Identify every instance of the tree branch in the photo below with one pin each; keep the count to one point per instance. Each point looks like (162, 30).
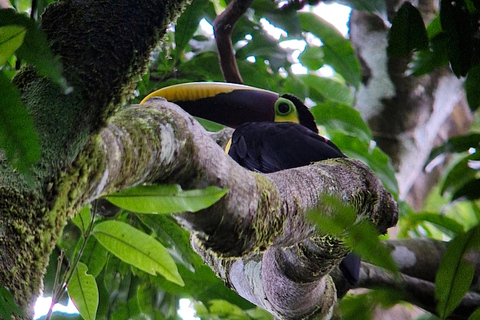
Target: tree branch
(223, 27)
(416, 291)
(256, 237)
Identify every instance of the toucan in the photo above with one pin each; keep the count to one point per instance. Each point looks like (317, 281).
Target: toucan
(272, 132)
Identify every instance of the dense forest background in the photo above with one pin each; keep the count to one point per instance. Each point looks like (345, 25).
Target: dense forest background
(402, 97)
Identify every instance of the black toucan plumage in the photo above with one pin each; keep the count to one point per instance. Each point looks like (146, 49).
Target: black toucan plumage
(272, 133)
(270, 146)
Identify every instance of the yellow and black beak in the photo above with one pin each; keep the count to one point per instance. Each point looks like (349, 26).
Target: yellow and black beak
(233, 104)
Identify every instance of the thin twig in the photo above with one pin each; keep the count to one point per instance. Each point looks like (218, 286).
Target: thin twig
(223, 27)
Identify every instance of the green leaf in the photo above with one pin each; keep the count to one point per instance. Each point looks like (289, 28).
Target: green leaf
(11, 38)
(408, 32)
(137, 248)
(472, 83)
(94, 256)
(17, 133)
(339, 53)
(35, 48)
(329, 88)
(361, 236)
(469, 191)
(165, 199)
(425, 61)
(444, 223)
(82, 218)
(187, 24)
(456, 22)
(83, 291)
(312, 57)
(456, 144)
(475, 315)
(176, 238)
(342, 118)
(459, 174)
(370, 154)
(455, 275)
(8, 305)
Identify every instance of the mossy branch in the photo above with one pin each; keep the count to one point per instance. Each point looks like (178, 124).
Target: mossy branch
(247, 234)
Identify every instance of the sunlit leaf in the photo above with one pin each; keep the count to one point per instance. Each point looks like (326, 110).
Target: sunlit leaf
(11, 38)
(339, 53)
(83, 291)
(455, 275)
(407, 33)
(18, 137)
(165, 199)
(187, 24)
(137, 248)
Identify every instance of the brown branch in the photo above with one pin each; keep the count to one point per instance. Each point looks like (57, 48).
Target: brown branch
(223, 27)
(256, 235)
(416, 291)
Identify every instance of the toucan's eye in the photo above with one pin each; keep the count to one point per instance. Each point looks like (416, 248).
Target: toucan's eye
(284, 107)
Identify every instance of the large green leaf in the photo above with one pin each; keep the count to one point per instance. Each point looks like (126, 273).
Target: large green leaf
(83, 291)
(370, 154)
(174, 237)
(187, 24)
(35, 48)
(18, 137)
(342, 118)
(455, 274)
(312, 57)
(329, 88)
(338, 51)
(165, 199)
(137, 248)
(94, 256)
(407, 33)
(11, 38)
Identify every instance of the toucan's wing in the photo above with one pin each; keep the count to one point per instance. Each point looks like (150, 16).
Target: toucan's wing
(269, 147)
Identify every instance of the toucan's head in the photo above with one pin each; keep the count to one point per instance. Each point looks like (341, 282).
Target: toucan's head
(234, 104)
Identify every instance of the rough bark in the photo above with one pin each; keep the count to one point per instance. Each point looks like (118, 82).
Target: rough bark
(257, 235)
